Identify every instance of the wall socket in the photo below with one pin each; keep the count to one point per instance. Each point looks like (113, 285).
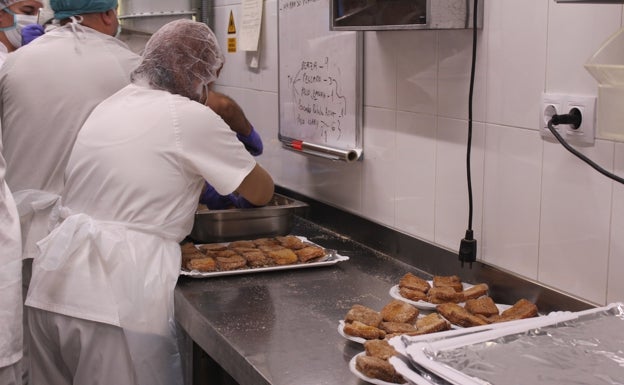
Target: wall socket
(562, 104)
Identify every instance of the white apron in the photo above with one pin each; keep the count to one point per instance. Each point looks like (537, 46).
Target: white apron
(118, 274)
(37, 215)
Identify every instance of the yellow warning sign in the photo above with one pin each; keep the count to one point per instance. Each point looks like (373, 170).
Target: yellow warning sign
(231, 44)
(231, 26)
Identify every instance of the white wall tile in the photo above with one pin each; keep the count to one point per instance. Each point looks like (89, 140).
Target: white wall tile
(454, 68)
(511, 196)
(237, 70)
(574, 228)
(415, 171)
(575, 32)
(516, 61)
(615, 287)
(416, 71)
(380, 71)
(451, 203)
(379, 171)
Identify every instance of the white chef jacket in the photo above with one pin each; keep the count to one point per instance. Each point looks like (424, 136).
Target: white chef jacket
(47, 90)
(10, 268)
(132, 184)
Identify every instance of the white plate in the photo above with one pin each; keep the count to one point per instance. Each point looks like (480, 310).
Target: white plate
(404, 370)
(359, 340)
(331, 258)
(362, 377)
(424, 305)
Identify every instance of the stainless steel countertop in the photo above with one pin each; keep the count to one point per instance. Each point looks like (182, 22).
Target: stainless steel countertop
(280, 328)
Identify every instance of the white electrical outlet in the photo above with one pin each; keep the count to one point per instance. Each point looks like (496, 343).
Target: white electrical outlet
(585, 133)
(562, 104)
(551, 105)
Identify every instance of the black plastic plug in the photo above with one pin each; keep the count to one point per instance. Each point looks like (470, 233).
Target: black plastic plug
(574, 118)
(468, 249)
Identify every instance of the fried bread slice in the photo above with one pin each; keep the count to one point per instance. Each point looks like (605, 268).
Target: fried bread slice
(397, 327)
(399, 311)
(283, 256)
(242, 243)
(309, 253)
(444, 294)
(448, 281)
(523, 308)
(413, 282)
(457, 315)
(363, 314)
(412, 294)
(205, 264)
(257, 258)
(189, 252)
(231, 262)
(359, 329)
(483, 305)
(379, 348)
(291, 242)
(431, 323)
(476, 291)
(375, 367)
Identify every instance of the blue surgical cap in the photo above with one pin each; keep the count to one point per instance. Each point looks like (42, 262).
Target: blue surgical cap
(66, 8)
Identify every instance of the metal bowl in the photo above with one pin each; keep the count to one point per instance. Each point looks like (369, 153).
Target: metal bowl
(274, 219)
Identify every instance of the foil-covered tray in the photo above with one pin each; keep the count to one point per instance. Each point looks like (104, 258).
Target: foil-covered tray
(582, 348)
(276, 218)
(331, 258)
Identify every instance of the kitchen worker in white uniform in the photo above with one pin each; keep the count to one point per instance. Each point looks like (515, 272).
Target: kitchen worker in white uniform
(101, 295)
(11, 284)
(67, 71)
(14, 15)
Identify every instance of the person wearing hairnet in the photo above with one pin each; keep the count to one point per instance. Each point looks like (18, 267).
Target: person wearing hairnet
(69, 70)
(15, 15)
(101, 296)
(47, 90)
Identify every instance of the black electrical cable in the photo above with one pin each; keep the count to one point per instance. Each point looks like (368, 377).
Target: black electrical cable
(468, 245)
(470, 97)
(577, 153)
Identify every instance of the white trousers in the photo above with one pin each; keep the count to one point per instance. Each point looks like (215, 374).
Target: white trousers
(11, 375)
(66, 351)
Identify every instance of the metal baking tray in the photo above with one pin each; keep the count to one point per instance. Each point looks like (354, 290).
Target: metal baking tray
(274, 219)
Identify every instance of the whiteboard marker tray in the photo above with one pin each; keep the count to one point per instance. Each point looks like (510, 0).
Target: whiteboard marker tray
(582, 347)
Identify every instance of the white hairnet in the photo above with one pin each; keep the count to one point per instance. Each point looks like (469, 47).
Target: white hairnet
(7, 3)
(181, 57)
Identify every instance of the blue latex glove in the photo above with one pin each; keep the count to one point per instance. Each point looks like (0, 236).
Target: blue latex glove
(214, 200)
(252, 142)
(240, 202)
(30, 32)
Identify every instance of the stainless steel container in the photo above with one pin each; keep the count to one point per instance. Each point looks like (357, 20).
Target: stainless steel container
(276, 218)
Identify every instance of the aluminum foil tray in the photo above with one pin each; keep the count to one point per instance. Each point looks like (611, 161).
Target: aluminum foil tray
(567, 348)
(276, 218)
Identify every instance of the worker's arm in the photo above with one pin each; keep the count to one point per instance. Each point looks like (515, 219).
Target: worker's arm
(257, 187)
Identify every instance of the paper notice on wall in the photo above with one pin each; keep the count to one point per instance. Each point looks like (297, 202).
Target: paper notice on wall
(249, 33)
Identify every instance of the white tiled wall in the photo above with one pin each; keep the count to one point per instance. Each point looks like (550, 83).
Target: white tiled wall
(538, 211)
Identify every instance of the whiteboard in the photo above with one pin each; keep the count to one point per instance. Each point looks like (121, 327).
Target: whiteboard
(320, 81)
